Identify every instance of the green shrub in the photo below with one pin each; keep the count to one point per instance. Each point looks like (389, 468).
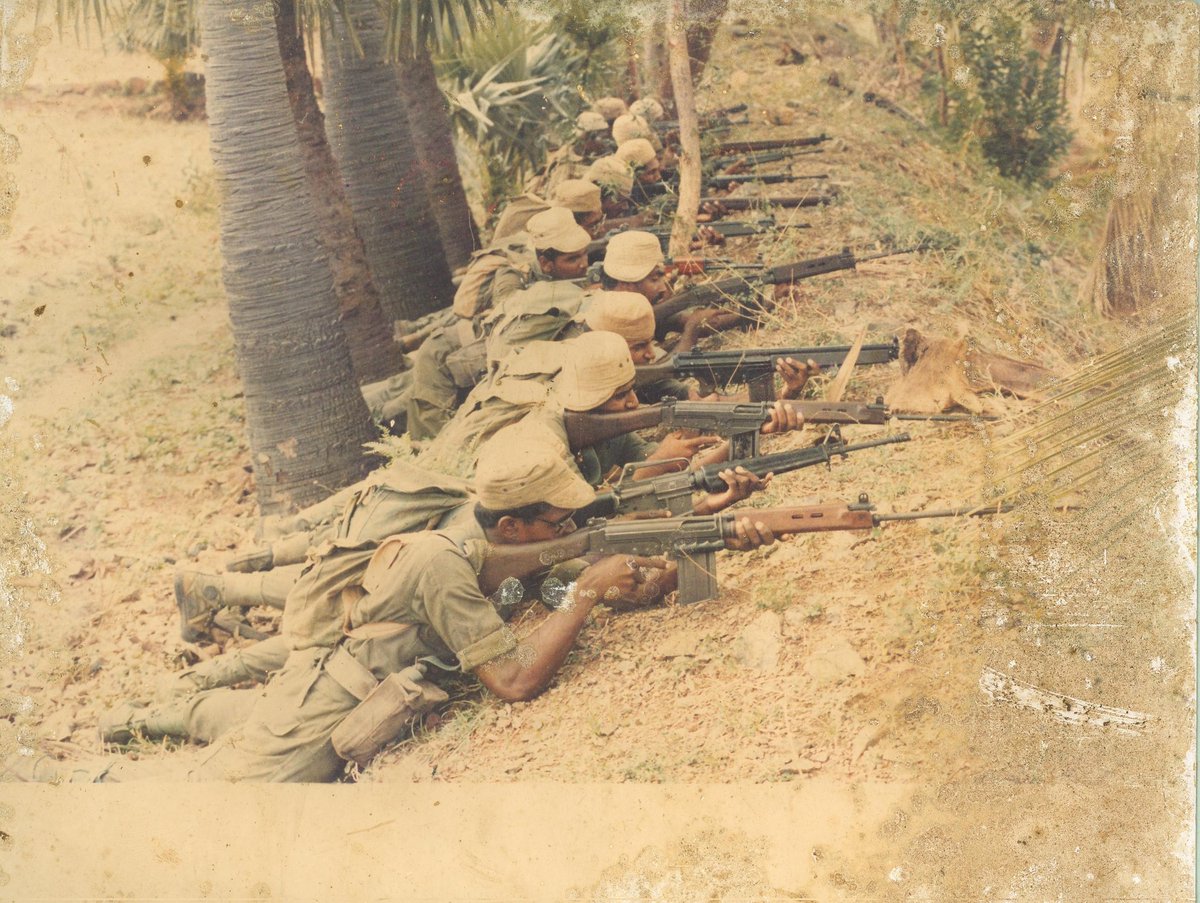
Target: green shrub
(1009, 100)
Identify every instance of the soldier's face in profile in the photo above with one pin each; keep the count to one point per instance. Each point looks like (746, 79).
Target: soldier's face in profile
(624, 399)
(654, 287)
(642, 352)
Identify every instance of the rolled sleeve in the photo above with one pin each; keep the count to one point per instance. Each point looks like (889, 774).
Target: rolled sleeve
(460, 614)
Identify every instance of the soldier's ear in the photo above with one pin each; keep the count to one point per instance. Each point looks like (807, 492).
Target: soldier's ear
(509, 528)
(545, 263)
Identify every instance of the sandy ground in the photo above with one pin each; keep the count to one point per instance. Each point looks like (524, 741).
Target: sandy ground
(836, 685)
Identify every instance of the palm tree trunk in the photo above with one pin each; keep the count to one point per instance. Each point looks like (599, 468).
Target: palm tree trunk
(384, 182)
(433, 136)
(305, 417)
(689, 129)
(373, 351)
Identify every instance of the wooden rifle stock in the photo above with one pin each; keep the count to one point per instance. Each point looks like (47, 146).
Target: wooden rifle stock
(585, 429)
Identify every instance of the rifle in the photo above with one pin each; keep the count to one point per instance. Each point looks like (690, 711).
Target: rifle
(765, 178)
(877, 414)
(739, 422)
(714, 293)
(708, 120)
(756, 366)
(692, 540)
(694, 266)
(673, 491)
(724, 228)
(768, 144)
(730, 160)
(812, 200)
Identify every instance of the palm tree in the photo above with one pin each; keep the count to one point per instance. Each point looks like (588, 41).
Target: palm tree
(372, 350)
(384, 183)
(306, 419)
(433, 136)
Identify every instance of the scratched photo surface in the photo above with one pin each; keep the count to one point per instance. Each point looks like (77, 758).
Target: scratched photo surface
(993, 700)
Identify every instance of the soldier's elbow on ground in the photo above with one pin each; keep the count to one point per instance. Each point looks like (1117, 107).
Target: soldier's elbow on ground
(508, 681)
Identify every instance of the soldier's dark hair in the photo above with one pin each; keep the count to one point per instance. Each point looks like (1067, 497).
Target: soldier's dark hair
(607, 282)
(550, 254)
(488, 518)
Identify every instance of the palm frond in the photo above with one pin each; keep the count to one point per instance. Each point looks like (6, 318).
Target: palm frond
(509, 87)
(437, 24)
(1107, 420)
(166, 29)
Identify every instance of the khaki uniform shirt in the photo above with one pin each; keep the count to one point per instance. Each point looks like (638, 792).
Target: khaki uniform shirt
(427, 582)
(539, 313)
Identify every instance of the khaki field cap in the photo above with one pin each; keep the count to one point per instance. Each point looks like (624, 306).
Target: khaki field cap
(591, 121)
(611, 107)
(556, 228)
(595, 365)
(523, 465)
(630, 256)
(628, 314)
(636, 152)
(628, 127)
(577, 195)
(611, 172)
(648, 108)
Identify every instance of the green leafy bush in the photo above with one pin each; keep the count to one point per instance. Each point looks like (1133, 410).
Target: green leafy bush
(1009, 98)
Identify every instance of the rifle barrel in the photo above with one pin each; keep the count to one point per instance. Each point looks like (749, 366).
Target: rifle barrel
(768, 144)
(813, 200)
(975, 511)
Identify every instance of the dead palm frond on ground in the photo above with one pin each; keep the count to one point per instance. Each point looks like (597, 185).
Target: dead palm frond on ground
(1117, 437)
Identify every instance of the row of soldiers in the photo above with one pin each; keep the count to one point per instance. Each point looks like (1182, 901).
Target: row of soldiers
(386, 583)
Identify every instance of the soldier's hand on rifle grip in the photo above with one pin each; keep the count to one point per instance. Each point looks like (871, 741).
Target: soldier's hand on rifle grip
(750, 535)
(656, 584)
(795, 375)
(784, 419)
(741, 483)
(617, 577)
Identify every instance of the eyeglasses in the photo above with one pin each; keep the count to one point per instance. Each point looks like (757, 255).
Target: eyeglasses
(559, 526)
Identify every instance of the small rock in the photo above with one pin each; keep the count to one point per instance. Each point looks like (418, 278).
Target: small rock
(758, 645)
(833, 661)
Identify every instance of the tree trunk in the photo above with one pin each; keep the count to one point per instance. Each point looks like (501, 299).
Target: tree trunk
(384, 182)
(433, 137)
(369, 333)
(689, 129)
(305, 417)
(633, 79)
(703, 20)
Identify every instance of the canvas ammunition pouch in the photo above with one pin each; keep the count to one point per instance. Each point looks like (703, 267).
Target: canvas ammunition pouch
(385, 706)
